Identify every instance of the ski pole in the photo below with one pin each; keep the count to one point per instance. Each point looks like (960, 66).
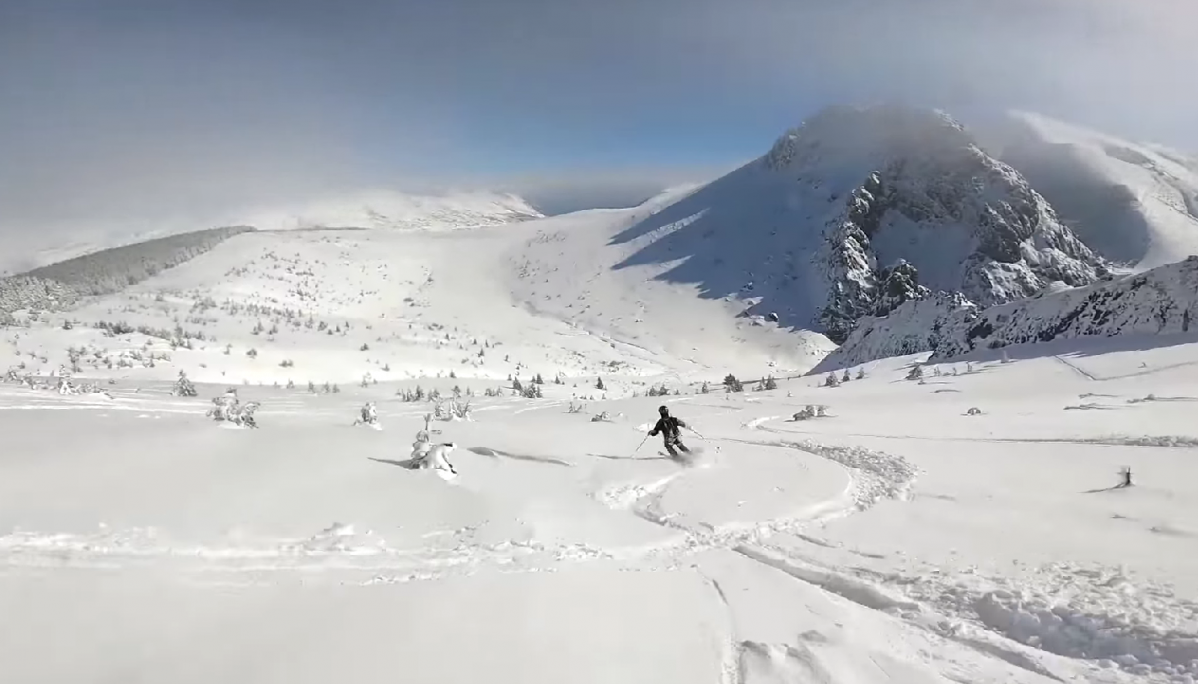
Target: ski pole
(638, 447)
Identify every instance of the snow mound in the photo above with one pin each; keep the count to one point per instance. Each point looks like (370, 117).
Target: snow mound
(857, 211)
(1161, 301)
(1134, 204)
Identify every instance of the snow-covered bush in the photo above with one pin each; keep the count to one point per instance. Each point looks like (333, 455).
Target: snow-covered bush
(531, 391)
(831, 380)
(602, 417)
(451, 409)
(916, 372)
(811, 411)
(183, 387)
(731, 384)
(368, 415)
(228, 407)
(974, 411)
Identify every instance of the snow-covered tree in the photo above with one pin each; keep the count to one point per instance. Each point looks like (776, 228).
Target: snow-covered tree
(228, 407)
(452, 409)
(183, 386)
(368, 415)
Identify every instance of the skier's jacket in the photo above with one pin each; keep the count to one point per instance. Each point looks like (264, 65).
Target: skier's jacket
(669, 427)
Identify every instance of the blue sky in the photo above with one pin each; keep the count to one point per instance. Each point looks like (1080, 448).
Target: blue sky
(109, 108)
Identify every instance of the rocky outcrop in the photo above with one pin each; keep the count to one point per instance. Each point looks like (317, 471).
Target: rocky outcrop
(1161, 301)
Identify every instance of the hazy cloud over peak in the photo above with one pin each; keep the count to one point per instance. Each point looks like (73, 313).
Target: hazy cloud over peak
(123, 112)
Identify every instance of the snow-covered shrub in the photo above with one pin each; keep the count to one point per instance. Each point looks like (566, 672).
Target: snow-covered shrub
(602, 417)
(368, 415)
(916, 372)
(731, 384)
(974, 411)
(452, 409)
(228, 407)
(183, 387)
(811, 411)
(831, 380)
(576, 408)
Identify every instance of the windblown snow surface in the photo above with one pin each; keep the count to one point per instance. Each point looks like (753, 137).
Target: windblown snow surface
(896, 539)
(1132, 203)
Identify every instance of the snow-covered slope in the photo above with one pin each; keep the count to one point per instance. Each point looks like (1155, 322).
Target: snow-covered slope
(898, 539)
(28, 249)
(394, 210)
(858, 210)
(1131, 203)
(489, 303)
(1161, 301)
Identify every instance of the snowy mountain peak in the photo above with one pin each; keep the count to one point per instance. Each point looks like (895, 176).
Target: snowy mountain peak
(859, 210)
(842, 135)
(923, 209)
(1132, 203)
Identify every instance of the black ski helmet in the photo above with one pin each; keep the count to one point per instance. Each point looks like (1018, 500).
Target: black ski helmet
(663, 410)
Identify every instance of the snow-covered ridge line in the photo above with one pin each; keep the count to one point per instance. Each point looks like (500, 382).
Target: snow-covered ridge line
(110, 270)
(391, 210)
(1160, 301)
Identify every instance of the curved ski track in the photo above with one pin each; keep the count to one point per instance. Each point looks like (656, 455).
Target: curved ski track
(339, 549)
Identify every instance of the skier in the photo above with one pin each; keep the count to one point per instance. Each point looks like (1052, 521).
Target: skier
(669, 427)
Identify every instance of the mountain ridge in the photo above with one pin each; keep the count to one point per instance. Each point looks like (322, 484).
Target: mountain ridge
(836, 221)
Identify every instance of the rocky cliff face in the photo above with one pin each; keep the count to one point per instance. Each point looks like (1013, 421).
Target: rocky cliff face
(1160, 301)
(921, 208)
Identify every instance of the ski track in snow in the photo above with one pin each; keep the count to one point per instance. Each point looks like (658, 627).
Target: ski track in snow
(1087, 613)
